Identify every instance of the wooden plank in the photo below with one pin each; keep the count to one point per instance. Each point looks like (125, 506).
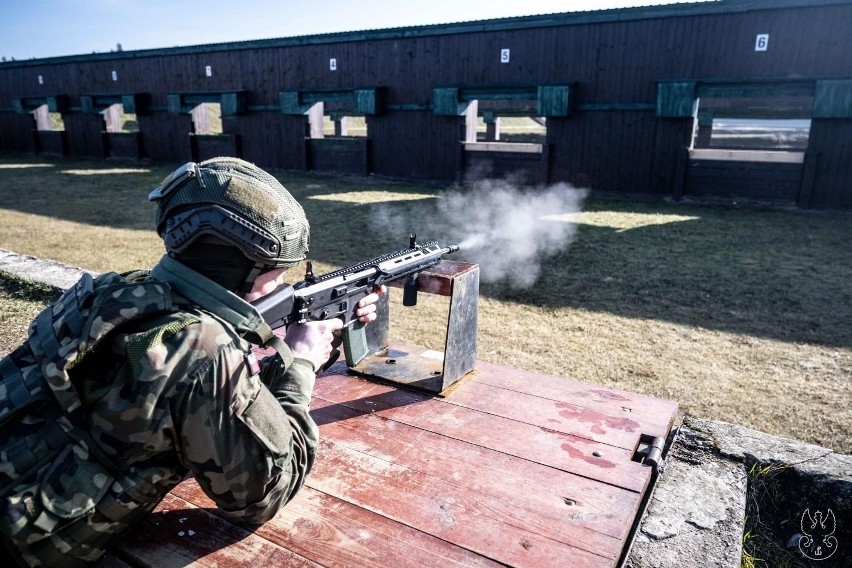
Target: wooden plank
(333, 532)
(559, 450)
(654, 416)
(438, 279)
(517, 147)
(447, 512)
(556, 504)
(770, 156)
(613, 427)
(179, 533)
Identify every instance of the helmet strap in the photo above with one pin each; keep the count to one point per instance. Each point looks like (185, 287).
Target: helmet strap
(252, 275)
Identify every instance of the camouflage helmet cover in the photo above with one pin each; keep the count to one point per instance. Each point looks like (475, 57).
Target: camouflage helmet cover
(235, 201)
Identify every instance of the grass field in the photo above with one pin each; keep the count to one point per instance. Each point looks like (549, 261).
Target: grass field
(739, 313)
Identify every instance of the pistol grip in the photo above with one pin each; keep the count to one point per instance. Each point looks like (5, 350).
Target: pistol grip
(355, 343)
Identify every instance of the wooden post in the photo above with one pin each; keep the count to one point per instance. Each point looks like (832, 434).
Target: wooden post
(680, 172)
(315, 120)
(201, 119)
(492, 128)
(470, 121)
(809, 170)
(112, 118)
(42, 118)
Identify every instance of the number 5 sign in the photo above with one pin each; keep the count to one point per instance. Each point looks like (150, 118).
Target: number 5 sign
(762, 42)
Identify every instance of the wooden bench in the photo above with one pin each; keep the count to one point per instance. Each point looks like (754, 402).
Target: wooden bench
(509, 468)
(504, 467)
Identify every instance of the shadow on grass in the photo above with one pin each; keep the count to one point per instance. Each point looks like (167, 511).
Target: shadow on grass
(772, 273)
(755, 270)
(767, 272)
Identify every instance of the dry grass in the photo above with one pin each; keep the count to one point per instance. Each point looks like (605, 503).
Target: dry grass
(20, 302)
(738, 313)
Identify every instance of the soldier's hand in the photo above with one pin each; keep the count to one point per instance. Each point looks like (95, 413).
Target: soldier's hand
(313, 340)
(366, 309)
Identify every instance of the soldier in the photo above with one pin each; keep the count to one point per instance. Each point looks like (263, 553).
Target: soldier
(128, 384)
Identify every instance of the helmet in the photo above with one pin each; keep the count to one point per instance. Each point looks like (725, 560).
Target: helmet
(230, 200)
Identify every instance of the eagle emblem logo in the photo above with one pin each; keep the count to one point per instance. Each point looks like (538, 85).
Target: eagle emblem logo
(818, 542)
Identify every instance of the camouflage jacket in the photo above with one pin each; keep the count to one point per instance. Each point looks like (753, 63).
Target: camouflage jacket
(181, 393)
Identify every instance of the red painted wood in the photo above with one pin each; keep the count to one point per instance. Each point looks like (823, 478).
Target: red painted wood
(448, 512)
(559, 450)
(332, 532)
(438, 280)
(507, 468)
(179, 533)
(654, 415)
(618, 430)
(556, 504)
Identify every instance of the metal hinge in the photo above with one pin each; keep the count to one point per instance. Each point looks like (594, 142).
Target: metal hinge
(650, 450)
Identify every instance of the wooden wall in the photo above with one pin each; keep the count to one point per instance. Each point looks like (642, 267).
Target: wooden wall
(831, 144)
(613, 140)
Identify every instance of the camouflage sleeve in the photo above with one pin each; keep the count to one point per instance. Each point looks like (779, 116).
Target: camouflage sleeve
(249, 442)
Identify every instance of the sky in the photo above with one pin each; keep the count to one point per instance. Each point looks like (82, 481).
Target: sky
(50, 28)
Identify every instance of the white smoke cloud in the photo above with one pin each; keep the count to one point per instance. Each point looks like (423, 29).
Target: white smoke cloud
(508, 230)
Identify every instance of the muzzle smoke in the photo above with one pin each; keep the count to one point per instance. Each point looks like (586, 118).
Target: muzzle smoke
(508, 230)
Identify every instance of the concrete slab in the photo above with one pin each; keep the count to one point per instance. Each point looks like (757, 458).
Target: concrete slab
(697, 509)
(47, 272)
(713, 470)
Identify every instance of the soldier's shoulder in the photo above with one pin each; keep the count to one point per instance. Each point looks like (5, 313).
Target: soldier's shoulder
(196, 327)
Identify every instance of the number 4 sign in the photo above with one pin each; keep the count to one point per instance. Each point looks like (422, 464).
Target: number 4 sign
(762, 42)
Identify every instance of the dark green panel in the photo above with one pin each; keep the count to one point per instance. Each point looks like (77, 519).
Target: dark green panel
(290, 102)
(191, 100)
(87, 105)
(498, 93)
(603, 107)
(174, 102)
(129, 104)
(755, 89)
(366, 101)
(445, 101)
(185, 102)
(97, 103)
(234, 103)
(327, 96)
(136, 103)
(26, 105)
(554, 100)
(675, 99)
(833, 99)
(59, 103)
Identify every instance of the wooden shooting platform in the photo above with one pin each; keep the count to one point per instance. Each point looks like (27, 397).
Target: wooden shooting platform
(505, 468)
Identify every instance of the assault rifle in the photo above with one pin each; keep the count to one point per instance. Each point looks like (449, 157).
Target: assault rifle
(337, 293)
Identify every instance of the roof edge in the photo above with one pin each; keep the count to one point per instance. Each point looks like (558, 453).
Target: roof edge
(710, 7)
